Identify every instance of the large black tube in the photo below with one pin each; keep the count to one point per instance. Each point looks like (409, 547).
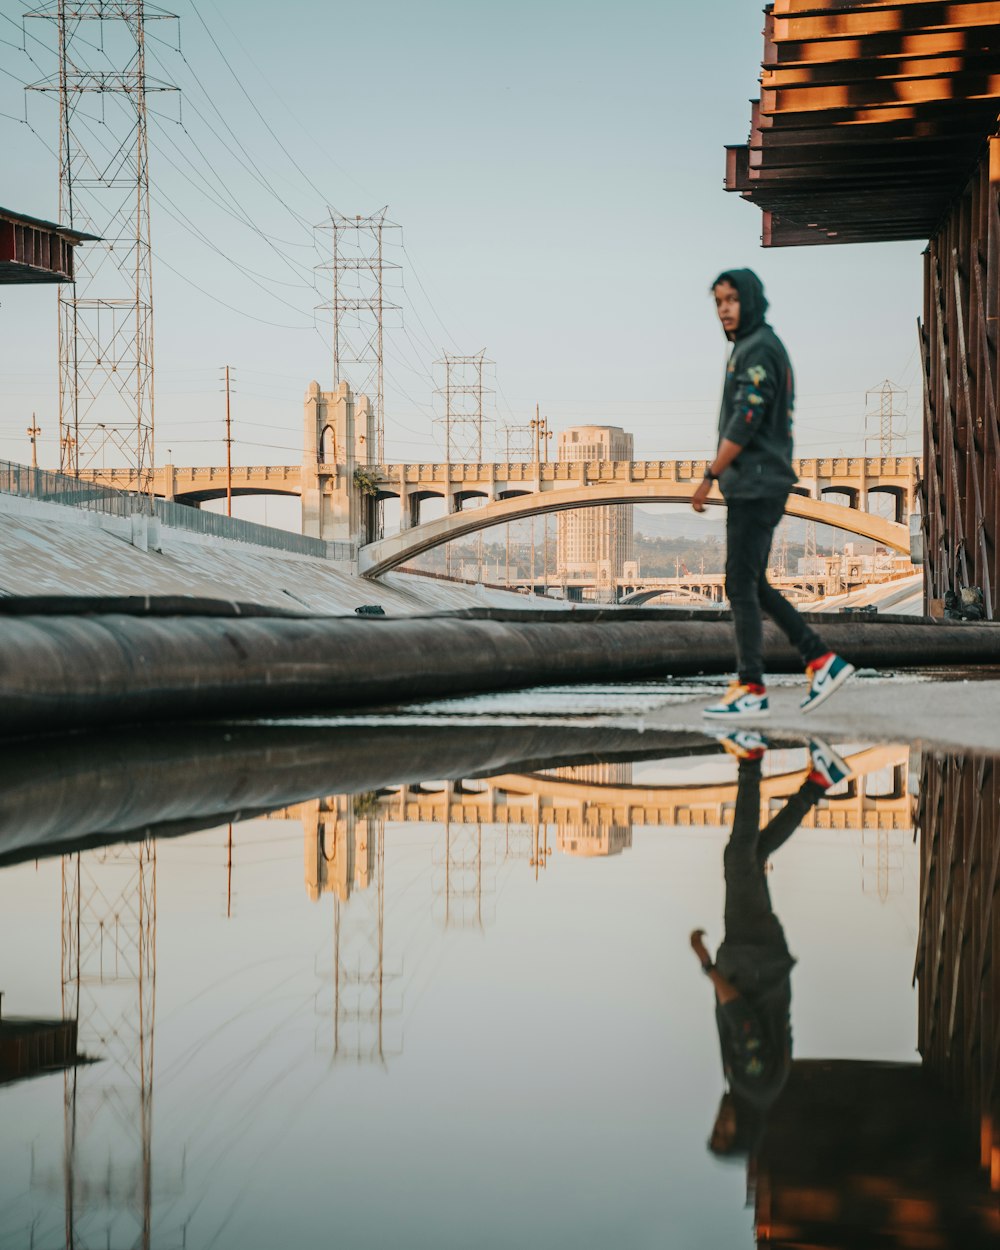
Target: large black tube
(66, 672)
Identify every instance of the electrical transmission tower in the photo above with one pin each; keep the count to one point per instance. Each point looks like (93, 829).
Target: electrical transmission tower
(464, 417)
(516, 442)
(106, 316)
(883, 412)
(360, 308)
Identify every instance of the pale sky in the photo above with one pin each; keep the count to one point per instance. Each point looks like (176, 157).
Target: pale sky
(557, 172)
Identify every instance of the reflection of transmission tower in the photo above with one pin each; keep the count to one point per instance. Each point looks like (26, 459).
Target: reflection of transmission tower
(345, 855)
(359, 307)
(463, 419)
(464, 870)
(106, 316)
(881, 410)
(109, 986)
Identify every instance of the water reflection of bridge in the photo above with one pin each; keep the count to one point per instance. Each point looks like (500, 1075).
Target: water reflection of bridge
(875, 799)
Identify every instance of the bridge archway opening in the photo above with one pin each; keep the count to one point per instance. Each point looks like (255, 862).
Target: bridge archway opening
(328, 445)
(462, 497)
(846, 493)
(892, 499)
(281, 509)
(196, 498)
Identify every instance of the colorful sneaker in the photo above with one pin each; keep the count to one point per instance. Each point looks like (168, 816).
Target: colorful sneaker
(826, 675)
(739, 703)
(828, 768)
(745, 744)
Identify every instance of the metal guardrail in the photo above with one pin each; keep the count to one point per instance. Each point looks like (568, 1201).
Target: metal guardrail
(60, 488)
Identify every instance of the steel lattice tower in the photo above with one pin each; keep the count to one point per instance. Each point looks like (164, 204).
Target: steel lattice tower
(359, 307)
(106, 317)
(880, 405)
(464, 417)
(518, 442)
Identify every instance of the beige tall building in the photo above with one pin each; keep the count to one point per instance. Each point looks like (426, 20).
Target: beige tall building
(595, 542)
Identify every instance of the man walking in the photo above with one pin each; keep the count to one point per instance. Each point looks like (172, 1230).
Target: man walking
(753, 467)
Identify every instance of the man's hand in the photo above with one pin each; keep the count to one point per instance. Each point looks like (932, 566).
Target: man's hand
(701, 494)
(699, 947)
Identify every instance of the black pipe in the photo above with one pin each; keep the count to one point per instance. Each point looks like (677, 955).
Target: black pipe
(60, 672)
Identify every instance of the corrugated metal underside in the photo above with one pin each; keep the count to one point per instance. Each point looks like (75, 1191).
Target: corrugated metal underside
(871, 118)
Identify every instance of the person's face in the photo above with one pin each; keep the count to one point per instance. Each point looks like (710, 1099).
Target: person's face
(727, 305)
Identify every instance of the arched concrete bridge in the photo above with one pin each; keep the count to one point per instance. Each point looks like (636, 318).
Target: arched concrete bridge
(388, 553)
(338, 494)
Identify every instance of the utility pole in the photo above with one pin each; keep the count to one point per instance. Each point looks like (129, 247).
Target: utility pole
(540, 426)
(33, 432)
(229, 451)
(106, 315)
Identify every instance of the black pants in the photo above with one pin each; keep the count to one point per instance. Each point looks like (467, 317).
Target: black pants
(750, 525)
(749, 916)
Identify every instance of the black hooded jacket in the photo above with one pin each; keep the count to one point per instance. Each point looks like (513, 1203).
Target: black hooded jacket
(757, 400)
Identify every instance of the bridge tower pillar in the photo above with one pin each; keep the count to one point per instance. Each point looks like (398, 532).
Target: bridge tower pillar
(339, 439)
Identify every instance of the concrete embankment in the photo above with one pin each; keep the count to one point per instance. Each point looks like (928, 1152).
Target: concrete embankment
(60, 671)
(48, 548)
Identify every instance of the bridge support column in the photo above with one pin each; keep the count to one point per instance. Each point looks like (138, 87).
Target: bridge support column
(409, 508)
(339, 438)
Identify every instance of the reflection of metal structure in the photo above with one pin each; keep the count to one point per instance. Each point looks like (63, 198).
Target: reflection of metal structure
(958, 822)
(109, 987)
(867, 1154)
(106, 319)
(459, 876)
(345, 856)
(540, 850)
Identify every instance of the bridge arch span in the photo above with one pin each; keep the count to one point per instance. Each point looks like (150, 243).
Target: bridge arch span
(388, 553)
(195, 497)
(638, 597)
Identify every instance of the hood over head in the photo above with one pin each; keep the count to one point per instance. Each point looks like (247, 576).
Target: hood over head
(753, 301)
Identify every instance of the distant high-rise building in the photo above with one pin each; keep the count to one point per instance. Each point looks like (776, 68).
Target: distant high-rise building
(595, 542)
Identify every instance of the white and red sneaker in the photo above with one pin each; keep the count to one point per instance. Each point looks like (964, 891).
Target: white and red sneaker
(739, 703)
(826, 675)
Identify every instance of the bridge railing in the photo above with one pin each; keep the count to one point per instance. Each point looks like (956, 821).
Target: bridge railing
(61, 488)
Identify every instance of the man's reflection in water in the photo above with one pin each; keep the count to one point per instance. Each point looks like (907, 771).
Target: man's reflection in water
(752, 969)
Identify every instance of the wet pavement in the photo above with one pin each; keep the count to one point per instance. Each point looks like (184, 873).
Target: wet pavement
(424, 977)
